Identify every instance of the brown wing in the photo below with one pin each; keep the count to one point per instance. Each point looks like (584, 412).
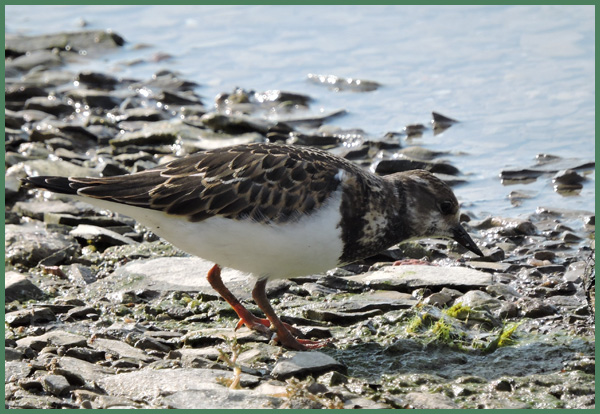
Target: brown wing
(264, 182)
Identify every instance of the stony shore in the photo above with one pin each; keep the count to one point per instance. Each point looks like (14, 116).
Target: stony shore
(100, 313)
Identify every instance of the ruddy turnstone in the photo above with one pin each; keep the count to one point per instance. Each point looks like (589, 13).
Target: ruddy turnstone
(276, 211)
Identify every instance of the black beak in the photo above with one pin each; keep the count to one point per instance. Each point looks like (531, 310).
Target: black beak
(463, 238)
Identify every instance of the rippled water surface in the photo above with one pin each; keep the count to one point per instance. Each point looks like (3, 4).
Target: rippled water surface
(519, 78)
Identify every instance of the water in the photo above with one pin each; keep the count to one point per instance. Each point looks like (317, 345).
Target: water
(519, 78)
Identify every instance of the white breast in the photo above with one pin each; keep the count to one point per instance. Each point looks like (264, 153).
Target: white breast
(311, 245)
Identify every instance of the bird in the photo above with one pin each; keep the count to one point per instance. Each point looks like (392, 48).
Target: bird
(274, 211)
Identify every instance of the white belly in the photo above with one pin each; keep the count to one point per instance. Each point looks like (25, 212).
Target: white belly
(311, 245)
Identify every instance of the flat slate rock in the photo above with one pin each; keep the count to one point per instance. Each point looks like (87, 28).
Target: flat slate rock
(220, 398)
(148, 384)
(18, 287)
(56, 338)
(410, 277)
(303, 364)
(120, 349)
(167, 274)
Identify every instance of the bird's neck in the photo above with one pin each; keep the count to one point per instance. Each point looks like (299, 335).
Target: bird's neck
(375, 221)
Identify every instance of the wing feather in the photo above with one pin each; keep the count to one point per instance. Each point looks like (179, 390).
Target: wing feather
(263, 182)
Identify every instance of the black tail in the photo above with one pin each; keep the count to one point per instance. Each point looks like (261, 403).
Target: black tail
(56, 184)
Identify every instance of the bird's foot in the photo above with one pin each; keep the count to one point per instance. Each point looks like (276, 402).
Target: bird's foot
(254, 323)
(299, 344)
(259, 324)
(289, 338)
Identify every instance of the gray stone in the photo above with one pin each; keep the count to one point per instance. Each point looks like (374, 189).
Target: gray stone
(26, 317)
(380, 299)
(82, 40)
(100, 235)
(55, 384)
(410, 277)
(220, 398)
(18, 287)
(302, 364)
(37, 209)
(148, 383)
(30, 244)
(476, 299)
(489, 266)
(81, 275)
(56, 338)
(422, 400)
(15, 370)
(120, 349)
(167, 274)
(503, 292)
(81, 372)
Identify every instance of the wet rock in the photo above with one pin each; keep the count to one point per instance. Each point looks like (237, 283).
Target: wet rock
(94, 98)
(178, 98)
(233, 124)
(96, 80)
(79, 371)
(421, 400)
(148, 384)
(302, 364)
(438, 118)
(222, 398)
(438, 299)
(567, 180)
(534, 308)
(546, 165)
(544, 255)
(55, 384)
(40, 59)
(340, 318)
(37, 209)
(476, 299)
(420, 153)
(503, 292)
(410, 277)
(117, 349)
(384, 300)
(27, 317)
(339, 84)
(152, 344)
(86, 354)
(22, 92)
(82, 312)
(167, 274)
(140, 114)
(397, 165)
(18, 287)
(81, 275)
(49, 105)
(56, 337)
(66, 41)
(99, 236)
(57, 167)
(156, 133)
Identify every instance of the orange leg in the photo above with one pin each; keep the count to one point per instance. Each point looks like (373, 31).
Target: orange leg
(282, 330)
(284, 336)
(246, 317)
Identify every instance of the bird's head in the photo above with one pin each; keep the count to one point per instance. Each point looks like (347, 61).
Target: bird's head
(432, 208)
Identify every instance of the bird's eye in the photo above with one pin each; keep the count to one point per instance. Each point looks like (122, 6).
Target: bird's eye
(446, 207)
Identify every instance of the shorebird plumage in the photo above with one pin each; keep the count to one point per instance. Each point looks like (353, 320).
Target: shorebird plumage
(275, 211)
